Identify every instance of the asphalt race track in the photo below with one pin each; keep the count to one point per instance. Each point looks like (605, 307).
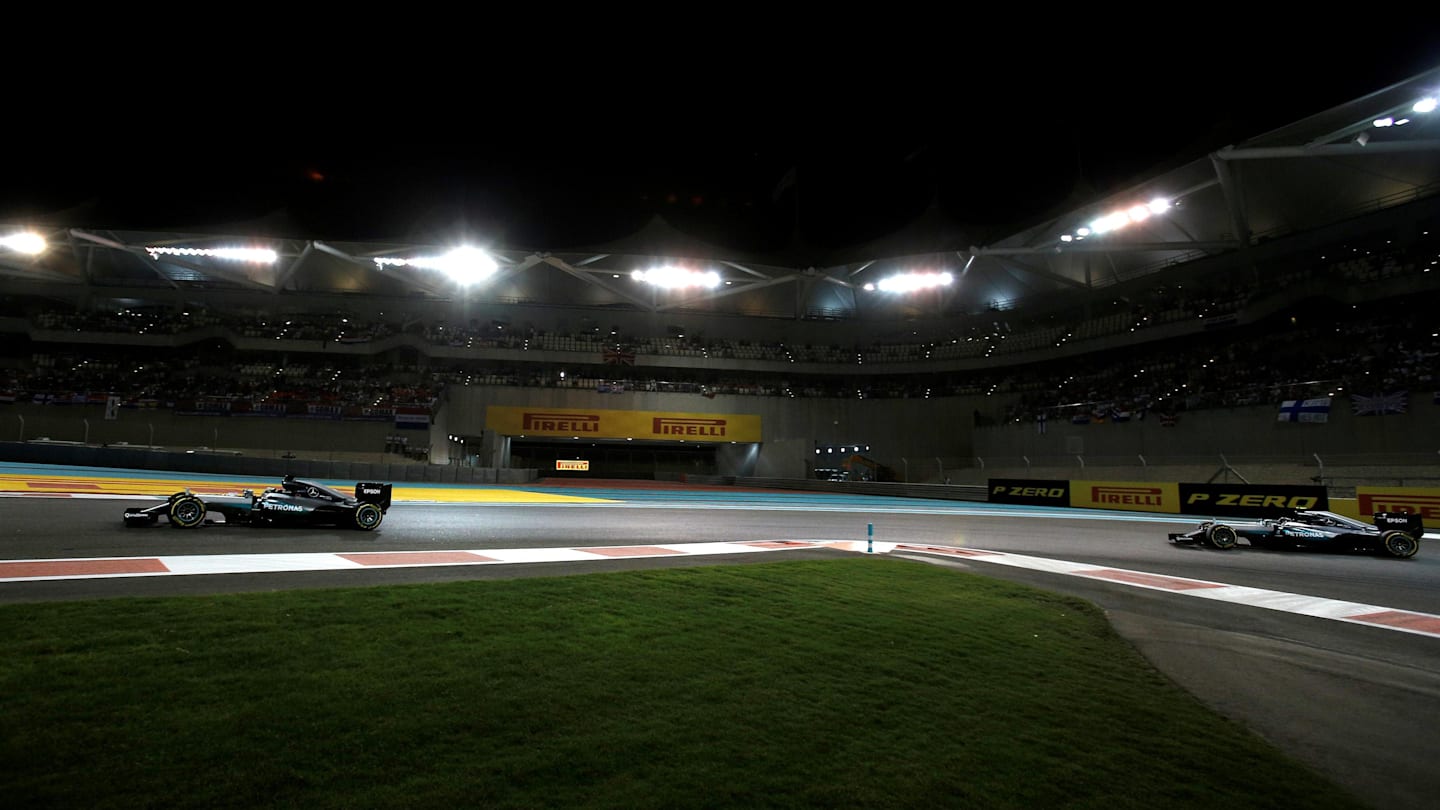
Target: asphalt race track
(1357, 700)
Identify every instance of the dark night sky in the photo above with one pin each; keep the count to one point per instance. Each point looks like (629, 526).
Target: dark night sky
(996, 137)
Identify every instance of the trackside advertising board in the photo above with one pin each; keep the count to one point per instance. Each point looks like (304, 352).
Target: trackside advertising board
(1424, 502)
(1130, 496)
(1029, 492)
(1228, 500)
(597, 423)
(1250, 500)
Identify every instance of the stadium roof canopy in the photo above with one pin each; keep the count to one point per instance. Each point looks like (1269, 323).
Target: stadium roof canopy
(1374, 154)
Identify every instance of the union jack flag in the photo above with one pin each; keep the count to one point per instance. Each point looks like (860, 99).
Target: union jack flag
(618, 357)
(1380, 404)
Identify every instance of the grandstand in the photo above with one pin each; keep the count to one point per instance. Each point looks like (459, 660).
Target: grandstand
(1303, 262)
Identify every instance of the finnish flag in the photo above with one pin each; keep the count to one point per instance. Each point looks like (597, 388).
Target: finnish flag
(1305, 410)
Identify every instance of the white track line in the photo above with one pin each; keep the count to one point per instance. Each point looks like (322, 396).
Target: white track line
(1424, 624)
(192, 564)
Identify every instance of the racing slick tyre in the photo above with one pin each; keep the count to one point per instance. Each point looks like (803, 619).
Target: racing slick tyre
(1399, 544)
(367, 517)
(1222, 537)
(187, 512)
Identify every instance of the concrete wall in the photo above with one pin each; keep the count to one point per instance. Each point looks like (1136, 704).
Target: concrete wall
(87, 423)
(924, 440)
(1396, 449)
(139, 458)
(894, 428)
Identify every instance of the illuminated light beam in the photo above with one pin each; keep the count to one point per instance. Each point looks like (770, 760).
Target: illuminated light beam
(26, 242)
(256, 255)
(1119, 219)
(668, 277)
(464, 265)
(912, 282)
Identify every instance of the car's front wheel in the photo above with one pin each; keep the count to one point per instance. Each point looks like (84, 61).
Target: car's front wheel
(1223, 537)
(187, 512)
(367, 517)
(1399, 544)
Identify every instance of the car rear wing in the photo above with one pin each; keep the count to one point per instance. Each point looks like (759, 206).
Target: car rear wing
(1408, 522)
(369, 492)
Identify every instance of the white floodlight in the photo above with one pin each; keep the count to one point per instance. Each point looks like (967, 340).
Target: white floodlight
(1385, 122)
(1424, 105)
(27, 242)
(234, 254)
(669, 277)
(1109, 222)
(1119, 219)
(910, 282)
(464, 265)
(1067, 238)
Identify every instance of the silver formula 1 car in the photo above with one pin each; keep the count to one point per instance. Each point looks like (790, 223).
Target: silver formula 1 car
(1396, 534)
(296, 502)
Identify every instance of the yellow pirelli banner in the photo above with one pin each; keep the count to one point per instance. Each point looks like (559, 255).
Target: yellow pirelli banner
(639, 425)
(1132, 496)
(1421, 501)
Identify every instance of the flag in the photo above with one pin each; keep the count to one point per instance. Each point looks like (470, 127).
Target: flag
(412, 418)
(1040, 422)
(618, 357)
(1380, 404)
(1305, 410)
(112, 407)
(1167, 419)
(412, 421)
(610, 388)
(1117, 415)
(1080, 419)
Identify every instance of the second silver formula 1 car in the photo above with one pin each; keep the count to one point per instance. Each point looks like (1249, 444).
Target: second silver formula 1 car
(1396, 534)
(295, 502)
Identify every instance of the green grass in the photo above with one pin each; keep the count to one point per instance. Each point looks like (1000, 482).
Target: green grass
(866, 682)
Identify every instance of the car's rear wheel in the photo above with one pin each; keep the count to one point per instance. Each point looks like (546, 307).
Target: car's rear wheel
(1222, 537)
(187, 512)
(367, 517)
(1399, 544)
